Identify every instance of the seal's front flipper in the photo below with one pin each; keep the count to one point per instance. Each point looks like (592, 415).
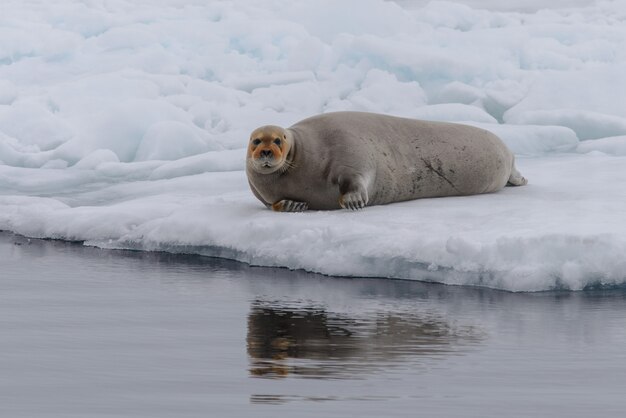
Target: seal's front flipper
(353, 191)
(353, 200)
(287, 205)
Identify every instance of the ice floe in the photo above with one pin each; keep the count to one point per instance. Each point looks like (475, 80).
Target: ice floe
(123, 123)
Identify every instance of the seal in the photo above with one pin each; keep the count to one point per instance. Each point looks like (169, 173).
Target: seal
(355, 159)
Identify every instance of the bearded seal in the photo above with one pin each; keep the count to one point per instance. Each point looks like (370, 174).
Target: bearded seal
(355, 159)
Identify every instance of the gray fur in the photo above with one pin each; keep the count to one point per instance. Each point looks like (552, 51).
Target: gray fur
(372, 159)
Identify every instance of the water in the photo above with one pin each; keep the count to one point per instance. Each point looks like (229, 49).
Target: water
(93, 333)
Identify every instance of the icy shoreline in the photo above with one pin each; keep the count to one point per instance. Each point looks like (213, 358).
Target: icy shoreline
(549, 234)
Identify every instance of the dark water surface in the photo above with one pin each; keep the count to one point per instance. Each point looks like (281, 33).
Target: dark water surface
(94, 333)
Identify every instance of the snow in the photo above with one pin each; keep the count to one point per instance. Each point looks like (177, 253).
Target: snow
(123, 124)
(613, 145)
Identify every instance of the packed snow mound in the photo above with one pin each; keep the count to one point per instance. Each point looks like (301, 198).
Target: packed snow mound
(125, 124)
(78, 78)
(613, 145)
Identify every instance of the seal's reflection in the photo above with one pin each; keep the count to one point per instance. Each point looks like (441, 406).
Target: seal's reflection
(284, 340)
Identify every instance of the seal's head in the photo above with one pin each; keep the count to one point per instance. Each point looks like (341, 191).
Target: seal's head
(268, 149)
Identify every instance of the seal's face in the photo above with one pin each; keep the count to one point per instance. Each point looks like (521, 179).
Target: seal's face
(268, 149)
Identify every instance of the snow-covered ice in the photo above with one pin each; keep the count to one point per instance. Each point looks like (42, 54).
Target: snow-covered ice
(123, 123)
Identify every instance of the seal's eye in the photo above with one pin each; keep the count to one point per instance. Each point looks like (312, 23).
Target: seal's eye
(256, 142)
(277, 141)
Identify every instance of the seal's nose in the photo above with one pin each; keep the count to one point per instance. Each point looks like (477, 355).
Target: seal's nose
(266, 153)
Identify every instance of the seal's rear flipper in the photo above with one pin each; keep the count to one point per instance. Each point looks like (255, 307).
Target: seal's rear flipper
(516, 178)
